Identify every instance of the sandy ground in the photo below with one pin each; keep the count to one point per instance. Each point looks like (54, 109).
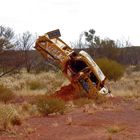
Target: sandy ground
(93, 124)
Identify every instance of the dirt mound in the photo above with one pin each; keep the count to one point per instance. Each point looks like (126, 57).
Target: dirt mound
(66, 93)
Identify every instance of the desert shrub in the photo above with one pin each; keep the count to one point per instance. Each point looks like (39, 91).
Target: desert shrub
(6, 94)
(16, 120)
(26, 106)
(50, 105)
(29, 109)
(8, 116)
(82, 101)
(112, 69)
(34, 84)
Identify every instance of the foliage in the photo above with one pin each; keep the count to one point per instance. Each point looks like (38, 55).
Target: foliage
(50, 105)
(6, 37)
(8, 116)
(7, 42)
(6, 94)
(25, 43)
(112, 69)
(90, 35)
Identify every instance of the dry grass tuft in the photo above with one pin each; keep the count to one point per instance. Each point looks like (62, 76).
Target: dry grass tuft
(115, 129)
(9, 116)
(137, 107)
(127, 86)
(30, 130)
(27, 110)
(82, 101)
(100, 99)
(32, 84)
(6, 94)
(48, 106)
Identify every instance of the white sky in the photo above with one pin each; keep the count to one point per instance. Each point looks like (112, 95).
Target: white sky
(116, 19)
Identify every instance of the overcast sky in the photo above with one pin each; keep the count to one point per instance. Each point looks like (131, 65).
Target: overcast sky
(115, 19)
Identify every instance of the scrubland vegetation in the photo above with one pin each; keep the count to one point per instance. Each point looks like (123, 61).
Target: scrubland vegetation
(35, 90)
(27, 83)
(128, 85)
(112, 69)
(26, 94)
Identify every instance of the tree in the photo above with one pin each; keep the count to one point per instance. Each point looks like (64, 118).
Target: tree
(6, 38)
(25, 43)
(109, 48)
(93, 42)
(89, 37)
(7, 42)
(101, 47)
(79, 44)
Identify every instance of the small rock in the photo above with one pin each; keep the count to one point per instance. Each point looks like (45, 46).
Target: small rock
(55, 124)
(69, 120)
(86, 108)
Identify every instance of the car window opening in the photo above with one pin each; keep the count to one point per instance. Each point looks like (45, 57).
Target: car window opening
(78, 65)
(93, 78)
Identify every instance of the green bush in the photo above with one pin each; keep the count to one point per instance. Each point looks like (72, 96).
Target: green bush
(6, 94)
(50, 105)
(112, 69)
